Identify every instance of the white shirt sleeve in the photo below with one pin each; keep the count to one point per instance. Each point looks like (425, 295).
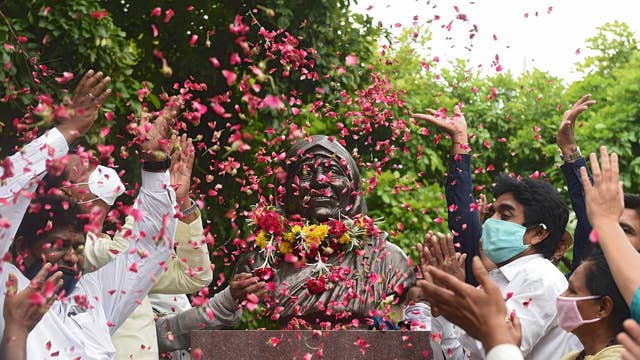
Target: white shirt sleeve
(28, 166)
(444, 340)
(535, 306)
(128, 278)
(418, 316)
(504, 352)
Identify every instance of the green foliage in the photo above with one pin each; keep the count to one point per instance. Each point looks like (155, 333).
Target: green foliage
(41, 42)
(614, 44)
(409, 206)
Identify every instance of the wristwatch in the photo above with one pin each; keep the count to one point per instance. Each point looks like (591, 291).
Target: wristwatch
(157, 166)
(571, 157)
(191, 209)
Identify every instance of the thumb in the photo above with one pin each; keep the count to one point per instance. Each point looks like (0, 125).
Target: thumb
(12, 284)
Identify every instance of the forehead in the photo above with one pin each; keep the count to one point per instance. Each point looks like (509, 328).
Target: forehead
(67, 235)
(507, 200)
(321, 157)
(77, 169)
(578, 277)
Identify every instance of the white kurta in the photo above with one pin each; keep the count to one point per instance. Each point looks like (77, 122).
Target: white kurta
(29, 166)
(530, 284)
(81, 326)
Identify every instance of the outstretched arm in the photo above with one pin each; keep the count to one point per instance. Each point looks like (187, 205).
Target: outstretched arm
(222, 310)
(605, 203)
(463, 218)
(20, 172)
(573, 161)
(189, 269)
(130, 276)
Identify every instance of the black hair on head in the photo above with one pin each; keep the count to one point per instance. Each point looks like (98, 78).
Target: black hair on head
(632, 201)
(49, 213)
(542, 205)
(599, 281)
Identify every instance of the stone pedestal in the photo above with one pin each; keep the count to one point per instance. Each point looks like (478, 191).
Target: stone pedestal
(295, 344)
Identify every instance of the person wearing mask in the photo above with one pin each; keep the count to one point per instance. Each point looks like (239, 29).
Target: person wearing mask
(593, 309)
(188, 270)
(604, 201)
(520, 237)
(52, 231)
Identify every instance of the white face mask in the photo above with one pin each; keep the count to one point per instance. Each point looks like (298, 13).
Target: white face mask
(105, 183)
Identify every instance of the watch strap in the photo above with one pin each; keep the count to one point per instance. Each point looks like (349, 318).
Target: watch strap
(157, 166)
(571, 157)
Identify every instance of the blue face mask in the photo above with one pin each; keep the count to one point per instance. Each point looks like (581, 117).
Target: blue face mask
(502, 240)
(69, 278)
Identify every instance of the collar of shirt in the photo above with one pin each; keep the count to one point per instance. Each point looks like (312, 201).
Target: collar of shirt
(511, 269)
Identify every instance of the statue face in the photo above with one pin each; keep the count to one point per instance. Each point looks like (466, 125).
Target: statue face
(320, 186)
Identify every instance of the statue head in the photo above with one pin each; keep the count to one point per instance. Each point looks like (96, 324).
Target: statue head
(322, 182)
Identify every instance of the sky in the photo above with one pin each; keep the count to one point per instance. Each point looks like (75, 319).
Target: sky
(553, 40)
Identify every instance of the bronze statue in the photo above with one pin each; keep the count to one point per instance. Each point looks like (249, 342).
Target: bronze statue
(322, 183)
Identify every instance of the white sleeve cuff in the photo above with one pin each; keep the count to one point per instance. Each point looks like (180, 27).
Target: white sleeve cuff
(57, 142)
(504, 352)
(155, 181)
(419, 316)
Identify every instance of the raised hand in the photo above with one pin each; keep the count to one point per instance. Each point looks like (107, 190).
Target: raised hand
(243, 284)
(483, 207)
(480, 311)
(24, 309)
(181, 167)
(455, 126)
(565, 137)
(88, 97)
(604, 199)
(154, 138)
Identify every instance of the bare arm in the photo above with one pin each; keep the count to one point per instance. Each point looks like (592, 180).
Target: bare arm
(605, 203)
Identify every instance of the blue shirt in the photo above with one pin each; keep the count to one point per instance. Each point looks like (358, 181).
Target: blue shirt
(463, 218)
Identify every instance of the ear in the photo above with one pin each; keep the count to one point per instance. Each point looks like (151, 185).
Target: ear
(536, 235)
(21, 248)
(606, 307)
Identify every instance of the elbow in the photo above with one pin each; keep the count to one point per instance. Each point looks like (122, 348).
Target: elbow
(205, 277)
(198, 280)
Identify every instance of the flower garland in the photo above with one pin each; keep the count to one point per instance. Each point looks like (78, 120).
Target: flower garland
(302, 241)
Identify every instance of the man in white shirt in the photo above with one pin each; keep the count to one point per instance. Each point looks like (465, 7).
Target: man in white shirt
(528, 222)
(524, 231)
(80, 325)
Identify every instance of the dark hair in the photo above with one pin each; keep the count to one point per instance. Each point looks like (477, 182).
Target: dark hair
(600, 281)
(60, 211)
(542, 205)
(50, 182)
(632, 201)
